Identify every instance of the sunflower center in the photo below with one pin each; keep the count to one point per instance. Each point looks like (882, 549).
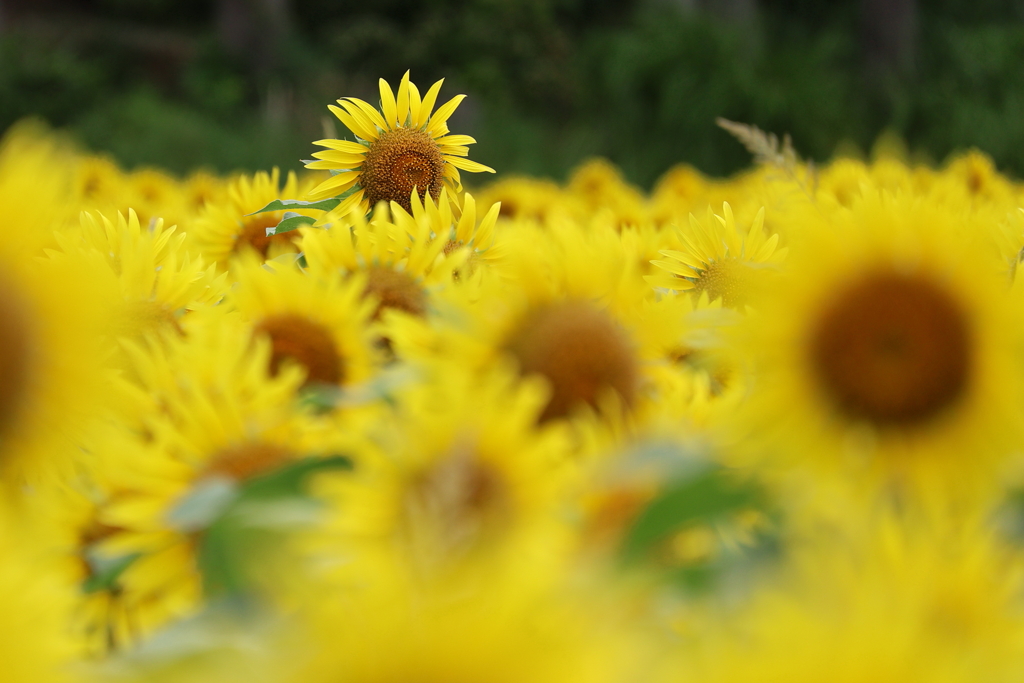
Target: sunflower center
(307, 343)
(722, 280)
(248, 460)
(398, 161)
(15, 352)
(580, 351)
(254, 233)
(395, 289)
(457, 497)
(892, 349)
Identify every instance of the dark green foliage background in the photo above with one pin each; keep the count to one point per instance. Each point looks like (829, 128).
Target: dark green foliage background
(551, 82)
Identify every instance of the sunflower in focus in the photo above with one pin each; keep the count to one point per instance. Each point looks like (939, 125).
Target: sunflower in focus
(400, 148)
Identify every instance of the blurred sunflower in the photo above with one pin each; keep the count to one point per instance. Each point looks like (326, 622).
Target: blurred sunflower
(225, 228)
(890, 348)
(317, 323)
(218, 421)
(399, 149)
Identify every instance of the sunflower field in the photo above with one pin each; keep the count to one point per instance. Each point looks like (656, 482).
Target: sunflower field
(353, 423)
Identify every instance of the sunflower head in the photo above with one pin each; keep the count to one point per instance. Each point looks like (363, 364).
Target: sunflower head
(580, 351)
(401, 149)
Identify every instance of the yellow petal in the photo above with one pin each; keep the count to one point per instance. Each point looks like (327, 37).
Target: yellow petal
(364, 132)
(342, 146)
(387, 104)
(334, 186)
(367, 109)
(414, 103)
(341, 157)
(437, 121)
(361, 116)
(428, 104)
(456, 140)
(467, 165)
(403, 100)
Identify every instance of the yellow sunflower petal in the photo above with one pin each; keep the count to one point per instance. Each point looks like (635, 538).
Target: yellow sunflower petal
(363, 131)
(437, 122)
(344, 158)
(456, 140)
(403, 100)
(343, 146)
(428, 104)
(334, 185)
(468, 165)
(387, 104)
(367, 109)
(414, 103)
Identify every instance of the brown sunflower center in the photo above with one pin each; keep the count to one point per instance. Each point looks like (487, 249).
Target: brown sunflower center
(580, 351)
(722, 280)
(305, 342)
(254, 234)
(248, 460)
(15, 352)
(395, 289)
(892, 349)
(398, 161)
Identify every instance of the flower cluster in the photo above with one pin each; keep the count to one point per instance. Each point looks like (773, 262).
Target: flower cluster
(359, 425)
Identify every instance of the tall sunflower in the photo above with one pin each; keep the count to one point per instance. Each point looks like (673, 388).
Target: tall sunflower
(398, 149)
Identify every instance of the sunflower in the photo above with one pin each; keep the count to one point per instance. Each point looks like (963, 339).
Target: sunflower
(399, 149)
(400, 255)
(889, 352)
(565, 303)
(455, 475)
(151, 275)
(317, 323)
(217, 421)
(226, 228)
(718, 258)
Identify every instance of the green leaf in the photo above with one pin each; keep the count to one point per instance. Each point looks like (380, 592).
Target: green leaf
(236, 546)
(105, 572)
(290, 222)
(291, 479)
(286, 204)
(706, 496)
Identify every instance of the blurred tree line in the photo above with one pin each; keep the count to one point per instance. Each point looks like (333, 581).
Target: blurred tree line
(244, 84)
